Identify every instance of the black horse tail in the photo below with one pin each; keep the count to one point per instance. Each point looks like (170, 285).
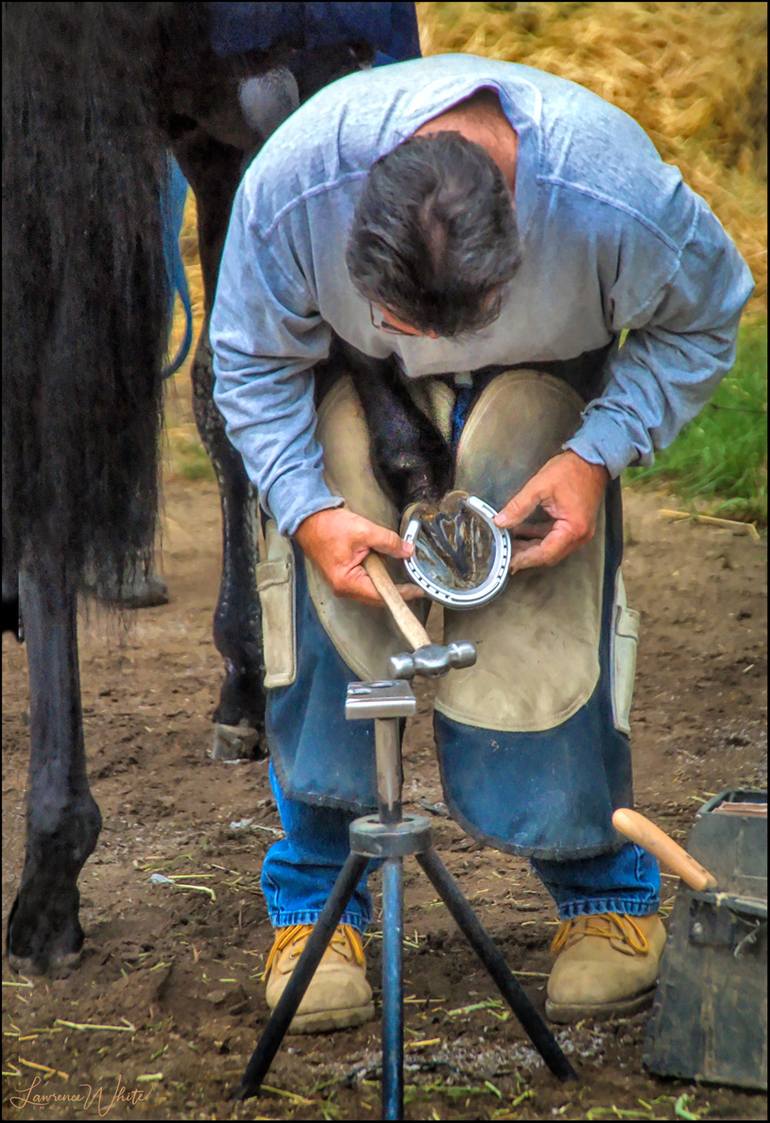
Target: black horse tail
(85, 293)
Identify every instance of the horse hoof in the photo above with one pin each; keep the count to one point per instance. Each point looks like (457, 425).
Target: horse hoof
(136, 591)
(146, 593)
(236, 742)
(143, 592)
(57, 967)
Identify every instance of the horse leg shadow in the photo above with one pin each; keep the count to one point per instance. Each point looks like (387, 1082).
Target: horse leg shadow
(63, 820)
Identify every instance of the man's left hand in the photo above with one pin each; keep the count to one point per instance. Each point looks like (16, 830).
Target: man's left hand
(570, 490)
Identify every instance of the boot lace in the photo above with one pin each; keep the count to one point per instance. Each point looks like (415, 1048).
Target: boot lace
(608, 925)
(345, 940)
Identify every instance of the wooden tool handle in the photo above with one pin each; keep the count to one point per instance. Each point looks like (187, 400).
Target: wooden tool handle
(406, 621)
(669, 853)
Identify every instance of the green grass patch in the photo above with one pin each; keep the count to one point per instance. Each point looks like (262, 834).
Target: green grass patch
(190, 460)
(718, 463)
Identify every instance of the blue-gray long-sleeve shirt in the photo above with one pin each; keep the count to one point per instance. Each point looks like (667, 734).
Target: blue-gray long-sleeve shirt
(611, 238)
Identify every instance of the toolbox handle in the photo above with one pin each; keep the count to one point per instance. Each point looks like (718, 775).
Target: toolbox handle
(640, 830)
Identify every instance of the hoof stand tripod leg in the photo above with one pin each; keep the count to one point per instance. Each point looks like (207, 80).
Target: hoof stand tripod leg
(391, 836)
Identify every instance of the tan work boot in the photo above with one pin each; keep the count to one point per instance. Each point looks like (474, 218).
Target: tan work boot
(606, 965)
(338, 996)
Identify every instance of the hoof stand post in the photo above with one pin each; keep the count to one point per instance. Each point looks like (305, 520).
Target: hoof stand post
(390, 835)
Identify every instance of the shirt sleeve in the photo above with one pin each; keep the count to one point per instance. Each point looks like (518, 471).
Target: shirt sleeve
(680, 344)
(266, 335)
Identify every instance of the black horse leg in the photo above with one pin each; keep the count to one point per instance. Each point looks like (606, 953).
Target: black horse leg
(410, 458)
(415, 466)
(240, 715)
(213, 170)
(63, 820)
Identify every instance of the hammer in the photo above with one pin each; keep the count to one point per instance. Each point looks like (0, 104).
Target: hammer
(669, 853)
(426, 658)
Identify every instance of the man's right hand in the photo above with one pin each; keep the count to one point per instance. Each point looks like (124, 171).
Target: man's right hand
(337, 541)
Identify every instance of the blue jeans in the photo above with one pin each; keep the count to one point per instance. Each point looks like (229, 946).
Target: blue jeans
(299, 871)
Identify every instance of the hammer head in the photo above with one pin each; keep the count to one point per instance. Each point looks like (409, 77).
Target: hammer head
(432, 660)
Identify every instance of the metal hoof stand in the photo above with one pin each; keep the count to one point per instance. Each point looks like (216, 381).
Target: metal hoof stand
(391, 836)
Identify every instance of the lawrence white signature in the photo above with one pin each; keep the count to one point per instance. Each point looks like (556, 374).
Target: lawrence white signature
(88, 1097)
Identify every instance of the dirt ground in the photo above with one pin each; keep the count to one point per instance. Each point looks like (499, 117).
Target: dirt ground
(174, 969)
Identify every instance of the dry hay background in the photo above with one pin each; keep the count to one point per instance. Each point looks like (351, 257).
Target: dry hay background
(694, 75)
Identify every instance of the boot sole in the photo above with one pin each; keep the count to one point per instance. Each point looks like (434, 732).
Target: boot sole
(562, 1012)
(326, 1021)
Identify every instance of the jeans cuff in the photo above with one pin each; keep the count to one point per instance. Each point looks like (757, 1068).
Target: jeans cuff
(631, 906)
(310, 916)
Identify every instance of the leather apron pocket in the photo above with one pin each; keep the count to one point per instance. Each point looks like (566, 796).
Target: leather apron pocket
(624, 643)
(276, 588)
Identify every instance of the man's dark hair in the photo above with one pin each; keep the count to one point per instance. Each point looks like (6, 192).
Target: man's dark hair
(434, 235)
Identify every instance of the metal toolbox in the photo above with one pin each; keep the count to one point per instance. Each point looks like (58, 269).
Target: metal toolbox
(709, 1020)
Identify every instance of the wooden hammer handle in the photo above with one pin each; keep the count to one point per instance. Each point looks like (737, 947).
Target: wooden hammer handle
(406, 621)
(669, 853)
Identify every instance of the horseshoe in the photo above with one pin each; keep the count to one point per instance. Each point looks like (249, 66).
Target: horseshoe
(461, 559)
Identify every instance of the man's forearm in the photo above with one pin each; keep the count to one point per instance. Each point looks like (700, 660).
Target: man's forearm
(659, 381)
(270, 420)
(680, 345)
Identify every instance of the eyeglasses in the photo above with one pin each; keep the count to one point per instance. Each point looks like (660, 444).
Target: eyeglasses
(382, 324)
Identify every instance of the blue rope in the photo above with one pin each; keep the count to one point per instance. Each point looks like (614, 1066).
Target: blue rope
(460, 413)
(172, 210)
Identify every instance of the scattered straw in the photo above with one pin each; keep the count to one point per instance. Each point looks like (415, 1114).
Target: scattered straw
(712, 520)
(293, 1096)
(179, 876)
(692, 75)
(489, 1005)
(44, 1068)
(127, 1028)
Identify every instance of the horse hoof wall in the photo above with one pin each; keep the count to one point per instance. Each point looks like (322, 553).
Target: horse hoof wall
(137, 590)
(58, 967)
(235, 742)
